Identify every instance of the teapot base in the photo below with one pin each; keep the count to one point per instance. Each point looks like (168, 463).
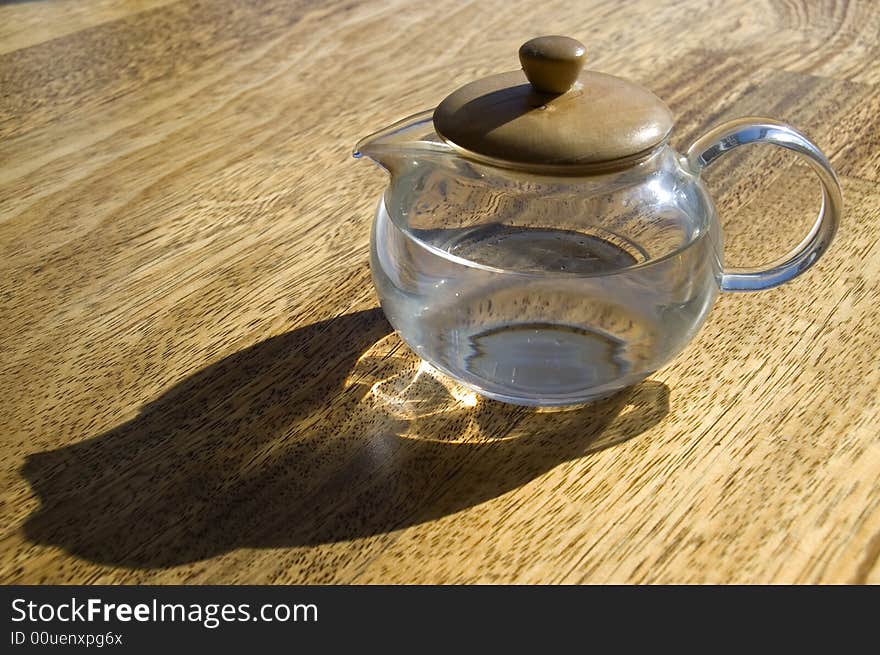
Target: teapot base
(539, 364)
(557, 403)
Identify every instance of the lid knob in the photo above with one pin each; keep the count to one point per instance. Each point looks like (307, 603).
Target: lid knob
(552, 63)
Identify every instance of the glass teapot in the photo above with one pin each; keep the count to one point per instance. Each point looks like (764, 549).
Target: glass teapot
(542, 243)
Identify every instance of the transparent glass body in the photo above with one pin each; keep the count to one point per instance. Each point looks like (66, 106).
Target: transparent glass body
(540, 288)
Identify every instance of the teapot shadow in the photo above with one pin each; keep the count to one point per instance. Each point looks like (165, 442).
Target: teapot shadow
(328, 433)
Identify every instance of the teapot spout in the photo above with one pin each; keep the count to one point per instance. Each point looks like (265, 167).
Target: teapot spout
(409, 140)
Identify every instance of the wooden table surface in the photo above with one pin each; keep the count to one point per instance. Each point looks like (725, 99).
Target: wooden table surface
(196, 384)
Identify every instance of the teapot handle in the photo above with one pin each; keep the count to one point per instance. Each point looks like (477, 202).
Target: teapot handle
(743, 131)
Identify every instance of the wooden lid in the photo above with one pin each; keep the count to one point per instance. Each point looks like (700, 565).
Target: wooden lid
(553, 114)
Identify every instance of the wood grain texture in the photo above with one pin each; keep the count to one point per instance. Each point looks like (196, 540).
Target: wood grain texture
(196, 384)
